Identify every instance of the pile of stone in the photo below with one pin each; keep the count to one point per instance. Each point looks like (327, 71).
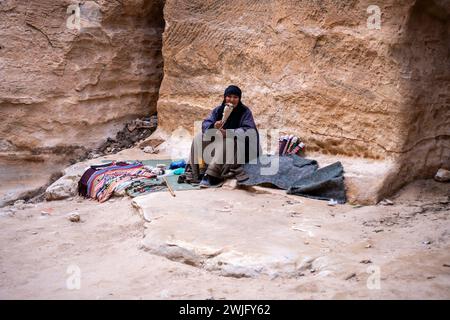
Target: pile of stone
(133, 132)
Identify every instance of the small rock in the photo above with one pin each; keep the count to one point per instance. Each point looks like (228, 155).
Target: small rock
(74, 217)
(350, 276)
(131, 127)
(378, 230)
(368, 246)
(63, 188)
(442, 175)
(426, 242)
(149, 149)
(7, 213)
(332, 202)
(93, 155)
(224, 209)
(386, 202)
(365, 261)
(20, 204)
(446, 265)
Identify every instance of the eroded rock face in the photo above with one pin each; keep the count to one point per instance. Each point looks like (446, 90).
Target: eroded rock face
(66, 84)
(321, 70)
(316, 70)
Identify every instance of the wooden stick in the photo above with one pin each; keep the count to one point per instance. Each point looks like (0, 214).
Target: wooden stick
(169, 187)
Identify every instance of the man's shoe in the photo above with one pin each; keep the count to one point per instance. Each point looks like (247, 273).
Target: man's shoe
(205, 183)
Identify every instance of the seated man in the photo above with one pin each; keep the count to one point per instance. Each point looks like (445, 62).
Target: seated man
(235, 141)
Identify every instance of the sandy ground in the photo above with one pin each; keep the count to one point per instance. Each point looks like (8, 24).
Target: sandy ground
(406, 245)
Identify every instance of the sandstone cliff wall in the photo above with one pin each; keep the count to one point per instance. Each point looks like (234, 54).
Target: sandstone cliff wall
(315, 69)
(65, 89)
(311, 68)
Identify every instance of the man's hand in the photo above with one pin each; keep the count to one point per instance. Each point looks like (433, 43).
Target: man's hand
(218, 124)
(224, 133)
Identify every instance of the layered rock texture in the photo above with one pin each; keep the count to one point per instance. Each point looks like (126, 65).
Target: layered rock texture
(350, 78)
(322, 70)
(71, 74)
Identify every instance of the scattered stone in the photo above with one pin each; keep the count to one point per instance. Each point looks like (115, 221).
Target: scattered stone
(6, 213)
(20, 205)
(332, 202)
(350, 276)
(137, 130)
(442, 175)
(150, 149)
(302, 230)
(74, 217)
(131, 127)
(151, 142)
(378, 230)
(366, 261)
(426, 242)
(151, 123)
(93, 155)
(386, 202)
(224, 209)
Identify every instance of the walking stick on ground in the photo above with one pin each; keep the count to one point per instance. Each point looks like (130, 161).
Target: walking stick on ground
(169, 187)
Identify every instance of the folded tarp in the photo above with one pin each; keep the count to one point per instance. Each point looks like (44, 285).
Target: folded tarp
(298, 176)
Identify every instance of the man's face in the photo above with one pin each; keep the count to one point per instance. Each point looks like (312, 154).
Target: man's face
(233, 99)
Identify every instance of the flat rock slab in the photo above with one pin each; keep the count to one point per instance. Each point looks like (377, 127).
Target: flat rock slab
(233, 232)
